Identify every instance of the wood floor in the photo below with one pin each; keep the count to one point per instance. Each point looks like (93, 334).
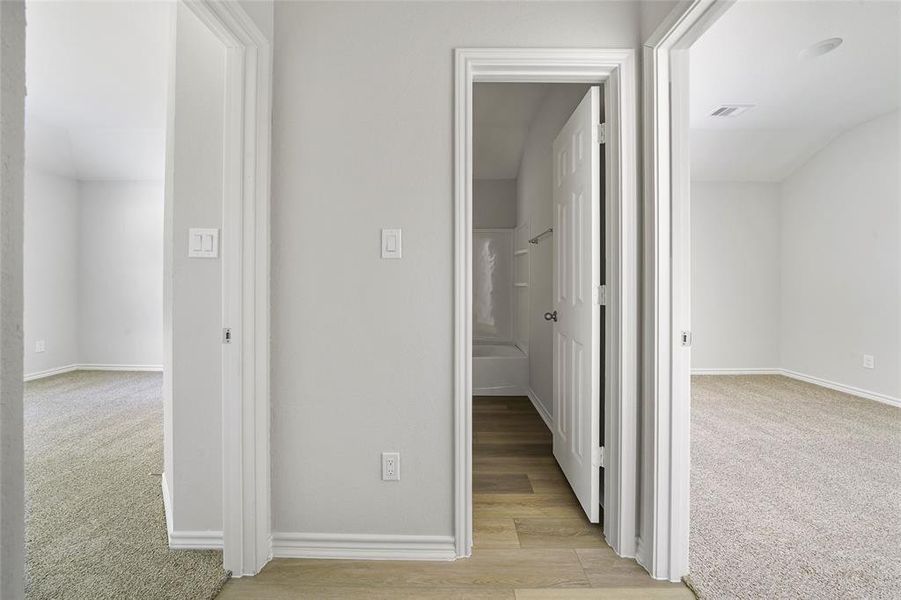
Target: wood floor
(531, 538)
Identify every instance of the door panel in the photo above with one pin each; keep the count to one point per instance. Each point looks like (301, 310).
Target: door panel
(577, 270)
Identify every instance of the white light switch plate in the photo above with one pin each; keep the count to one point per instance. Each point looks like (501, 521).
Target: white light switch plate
(391, 243)
(203, 243)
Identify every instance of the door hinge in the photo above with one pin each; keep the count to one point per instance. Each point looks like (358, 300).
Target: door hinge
(598, 458)
(686, 338)
(602, 133)
(600, 295)
(226, 335)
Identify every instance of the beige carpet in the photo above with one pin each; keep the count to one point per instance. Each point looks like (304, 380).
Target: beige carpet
(95, 526)
(795, 491)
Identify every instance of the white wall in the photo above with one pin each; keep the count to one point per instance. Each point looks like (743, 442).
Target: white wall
(51, 271)
(362, 347)
(494, 203)
(805, 275)
(735, 236)
(12, 135)
(120, 258)
(535, 207)
(841, 257)
(192, 330)
(93, 272)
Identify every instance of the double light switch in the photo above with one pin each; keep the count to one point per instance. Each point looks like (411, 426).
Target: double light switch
(203, 243)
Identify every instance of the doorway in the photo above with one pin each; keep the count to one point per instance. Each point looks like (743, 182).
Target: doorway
(613, 70)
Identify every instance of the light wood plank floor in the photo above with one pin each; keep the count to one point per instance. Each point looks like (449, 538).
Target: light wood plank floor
(532, 540)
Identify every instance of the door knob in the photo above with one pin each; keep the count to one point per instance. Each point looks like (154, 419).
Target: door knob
(550, 316)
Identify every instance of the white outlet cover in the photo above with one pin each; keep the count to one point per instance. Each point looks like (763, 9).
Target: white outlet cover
(40, 346)
(390, 466)
(869, 362)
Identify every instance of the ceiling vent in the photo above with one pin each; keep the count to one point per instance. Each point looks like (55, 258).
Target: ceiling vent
(730, 110)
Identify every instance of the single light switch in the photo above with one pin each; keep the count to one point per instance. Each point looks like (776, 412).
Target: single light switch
(391, 243)
(203, 243)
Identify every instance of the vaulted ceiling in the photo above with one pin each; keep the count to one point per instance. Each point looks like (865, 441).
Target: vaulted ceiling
(502, 114)
(97, 75)
(753, 55)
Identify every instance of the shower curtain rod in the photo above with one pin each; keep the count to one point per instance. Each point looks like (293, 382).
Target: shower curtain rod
(547, 231)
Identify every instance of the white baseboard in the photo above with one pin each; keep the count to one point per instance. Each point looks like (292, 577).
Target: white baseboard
(751, 371)
(840, 387)
(50, 372)
(90, 367)
(832, 385)
(545, 415)
(363, 546)
(186, 540)
(195, 540)
(167, 506)
(101, 367)
(507, 390)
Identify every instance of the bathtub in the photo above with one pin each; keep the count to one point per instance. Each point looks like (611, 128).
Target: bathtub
(499, 370)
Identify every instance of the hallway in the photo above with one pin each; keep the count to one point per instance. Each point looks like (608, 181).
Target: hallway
(531, 537)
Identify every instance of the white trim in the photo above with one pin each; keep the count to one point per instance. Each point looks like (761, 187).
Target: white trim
(246, 497)
(167, 506)
(826, 383)
(186, 540)
(363, 546)
(49, 372)
(749, 371)
(90, 367)
(195, 540)
(101, 367)
(616, 69)
(841, 387)
(542, 411)
(503, 390)
(666, 364)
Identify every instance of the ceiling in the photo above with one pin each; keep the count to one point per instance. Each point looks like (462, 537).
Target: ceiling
(502, 114)
(96, 76)
(751, 56)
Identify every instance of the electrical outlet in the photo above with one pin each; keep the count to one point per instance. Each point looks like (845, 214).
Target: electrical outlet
(390, 466)
(869, 362)
(40, 346)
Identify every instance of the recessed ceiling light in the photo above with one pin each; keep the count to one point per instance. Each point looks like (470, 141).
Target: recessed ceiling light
(821, 48)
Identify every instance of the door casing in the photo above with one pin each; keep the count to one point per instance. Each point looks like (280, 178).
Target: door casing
(246, 528)
(615, 70)
(666, 362)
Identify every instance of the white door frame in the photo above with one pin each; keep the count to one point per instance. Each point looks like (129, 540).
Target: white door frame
(666, 402)
(246, 527)
(616, 70)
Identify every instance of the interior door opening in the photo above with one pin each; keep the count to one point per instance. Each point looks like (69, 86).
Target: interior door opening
(538, 269)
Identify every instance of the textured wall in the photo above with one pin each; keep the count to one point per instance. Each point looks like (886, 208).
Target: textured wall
(120, 258)
(735, 263)
(12, 165)
(362, 347)
(51, 270)
(535, 207)
(192, 404)
(494, 203)
(841, 260)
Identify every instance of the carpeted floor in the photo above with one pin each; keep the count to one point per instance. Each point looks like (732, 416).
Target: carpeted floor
(795, 491)
(95, 527)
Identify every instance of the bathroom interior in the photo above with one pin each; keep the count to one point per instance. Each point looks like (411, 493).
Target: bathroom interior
(514, 127)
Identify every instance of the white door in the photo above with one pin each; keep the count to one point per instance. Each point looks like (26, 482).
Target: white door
(577, 272)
